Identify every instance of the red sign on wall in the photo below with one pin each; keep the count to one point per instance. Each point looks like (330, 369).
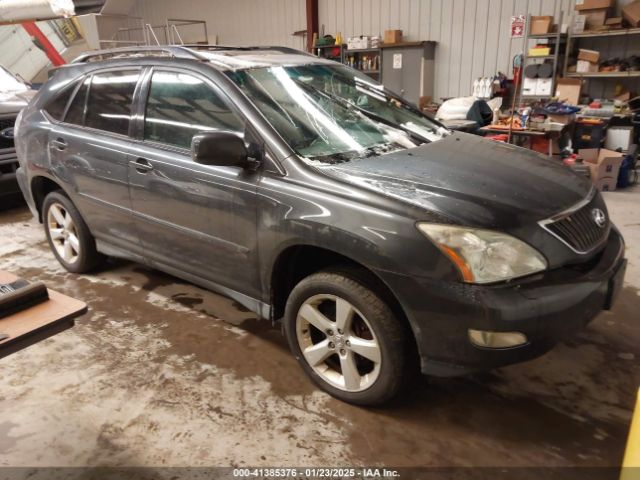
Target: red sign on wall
(517, 26)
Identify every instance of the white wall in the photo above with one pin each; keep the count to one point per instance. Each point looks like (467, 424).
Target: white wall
(234, 22)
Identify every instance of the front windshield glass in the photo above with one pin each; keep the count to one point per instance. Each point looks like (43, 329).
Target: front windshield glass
(9, 83)
(332, 114)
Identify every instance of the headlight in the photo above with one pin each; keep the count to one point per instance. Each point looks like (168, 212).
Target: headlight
(484, 256)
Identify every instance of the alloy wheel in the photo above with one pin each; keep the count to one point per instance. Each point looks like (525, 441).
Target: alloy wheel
(337, 341)
(63, 234)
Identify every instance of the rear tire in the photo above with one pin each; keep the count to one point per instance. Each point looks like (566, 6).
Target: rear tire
(69, 237)
(346, 338)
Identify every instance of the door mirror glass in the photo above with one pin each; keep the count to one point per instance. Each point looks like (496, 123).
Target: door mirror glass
(219, 148)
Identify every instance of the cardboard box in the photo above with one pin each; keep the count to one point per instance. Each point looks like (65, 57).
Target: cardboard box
(586, 67)
(544, 87)
(392, 36)
(541, 25)
(589, 55)
(529, 86)
(619, 137)
(539, 51)
(604, 166)
(569, 89)
(579, 23)
(631, 13)
(591, 4)
(595, 19)
(614, 22)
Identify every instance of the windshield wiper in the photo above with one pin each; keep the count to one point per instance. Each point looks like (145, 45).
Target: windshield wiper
(351, 106)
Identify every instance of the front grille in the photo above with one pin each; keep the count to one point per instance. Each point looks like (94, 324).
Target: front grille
(578, 229)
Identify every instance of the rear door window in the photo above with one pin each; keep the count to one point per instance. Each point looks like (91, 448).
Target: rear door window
(110, 101)
(181, 105)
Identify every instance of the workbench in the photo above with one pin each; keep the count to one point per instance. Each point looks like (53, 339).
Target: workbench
(528, 133)
(38, 322)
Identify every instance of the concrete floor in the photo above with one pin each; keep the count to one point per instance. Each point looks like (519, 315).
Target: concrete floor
(162, 373)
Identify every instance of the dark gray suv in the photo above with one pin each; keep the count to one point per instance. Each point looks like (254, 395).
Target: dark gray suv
(309, 193)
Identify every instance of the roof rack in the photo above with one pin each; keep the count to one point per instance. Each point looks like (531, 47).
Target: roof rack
(173, 51)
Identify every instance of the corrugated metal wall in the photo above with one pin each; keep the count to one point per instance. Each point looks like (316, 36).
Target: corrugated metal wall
(473, 35)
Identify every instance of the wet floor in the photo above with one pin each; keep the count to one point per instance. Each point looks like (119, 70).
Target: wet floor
(163, 373)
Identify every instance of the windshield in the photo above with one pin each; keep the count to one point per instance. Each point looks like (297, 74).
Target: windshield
(9, 83)
(332, 114)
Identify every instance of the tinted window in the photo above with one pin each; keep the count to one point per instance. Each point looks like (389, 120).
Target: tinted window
(180, 106)
(75, 114)
(110, 99)
(57, 106)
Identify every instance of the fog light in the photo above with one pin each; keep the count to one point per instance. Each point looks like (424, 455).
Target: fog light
(483, 338)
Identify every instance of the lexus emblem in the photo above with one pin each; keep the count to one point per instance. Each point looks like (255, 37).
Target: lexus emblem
(7, 133)
(599, 217)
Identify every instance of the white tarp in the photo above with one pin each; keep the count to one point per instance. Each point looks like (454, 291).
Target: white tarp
(18, 10)
(457, 108)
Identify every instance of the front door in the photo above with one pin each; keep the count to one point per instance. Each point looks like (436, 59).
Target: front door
(198, 219)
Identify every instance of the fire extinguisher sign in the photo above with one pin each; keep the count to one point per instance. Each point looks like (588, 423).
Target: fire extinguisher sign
(517, 26)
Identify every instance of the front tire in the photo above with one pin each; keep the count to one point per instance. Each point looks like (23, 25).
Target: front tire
(68, 235)
(346, 338)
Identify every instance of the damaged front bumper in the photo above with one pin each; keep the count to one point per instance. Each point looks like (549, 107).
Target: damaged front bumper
(544, 309)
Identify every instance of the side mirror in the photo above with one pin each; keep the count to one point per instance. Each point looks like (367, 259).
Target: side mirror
(224, 149)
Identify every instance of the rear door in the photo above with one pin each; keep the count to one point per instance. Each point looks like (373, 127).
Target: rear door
(197, 219)
(90, 149)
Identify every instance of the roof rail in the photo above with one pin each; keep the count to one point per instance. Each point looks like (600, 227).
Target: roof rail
(172, 51)
(274, 48)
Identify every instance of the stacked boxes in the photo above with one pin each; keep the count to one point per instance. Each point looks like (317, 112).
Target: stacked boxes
(595, 13)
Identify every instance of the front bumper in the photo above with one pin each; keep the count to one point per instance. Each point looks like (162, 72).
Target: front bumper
(546, 308)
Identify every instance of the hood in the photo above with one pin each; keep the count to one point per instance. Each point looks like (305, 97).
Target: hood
(471, 180)
(13, 102)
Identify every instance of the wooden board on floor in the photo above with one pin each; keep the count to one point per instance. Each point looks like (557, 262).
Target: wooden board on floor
(38, 322)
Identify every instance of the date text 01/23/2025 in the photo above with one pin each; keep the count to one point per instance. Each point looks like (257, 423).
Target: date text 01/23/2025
(312, 473)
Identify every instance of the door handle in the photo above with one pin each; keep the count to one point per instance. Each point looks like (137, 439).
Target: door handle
(59, 144)
(143, 166)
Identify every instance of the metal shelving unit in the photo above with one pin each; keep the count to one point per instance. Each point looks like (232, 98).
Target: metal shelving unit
(555, 43)
(627, 74)
(602, 75)
(321, 51)
(359, 54)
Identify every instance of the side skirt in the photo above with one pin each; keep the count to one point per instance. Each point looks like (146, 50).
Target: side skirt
(258, 307)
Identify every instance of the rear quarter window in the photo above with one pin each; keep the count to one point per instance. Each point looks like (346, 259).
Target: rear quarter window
(75, 114)
(58, 104)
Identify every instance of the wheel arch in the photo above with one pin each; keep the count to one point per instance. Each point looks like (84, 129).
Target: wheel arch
(299, 261)
(40, 187)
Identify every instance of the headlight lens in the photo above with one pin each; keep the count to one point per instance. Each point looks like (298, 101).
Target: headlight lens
(484, 256)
